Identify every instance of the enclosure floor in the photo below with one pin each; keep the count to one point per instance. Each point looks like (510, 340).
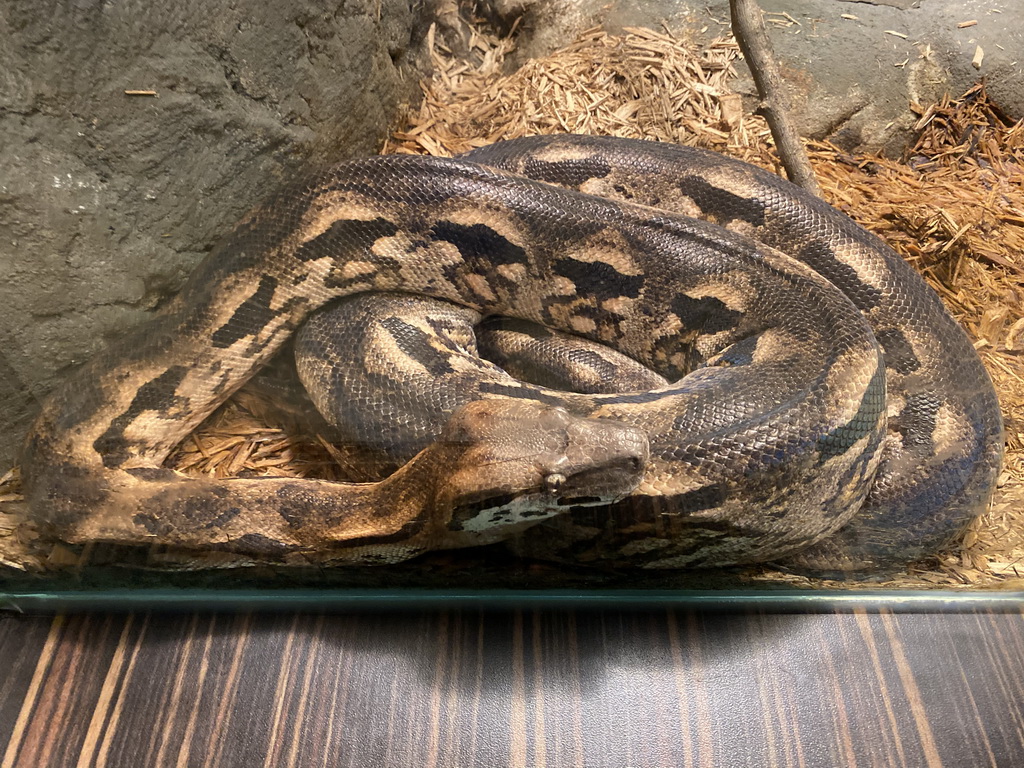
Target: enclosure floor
(526, 688)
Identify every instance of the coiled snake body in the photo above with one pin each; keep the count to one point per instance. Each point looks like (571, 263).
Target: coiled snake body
(811, 394)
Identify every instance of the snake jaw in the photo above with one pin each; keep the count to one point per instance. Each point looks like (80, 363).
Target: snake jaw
(521, 462)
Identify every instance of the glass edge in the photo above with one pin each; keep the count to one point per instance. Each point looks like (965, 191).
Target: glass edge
(133, 600)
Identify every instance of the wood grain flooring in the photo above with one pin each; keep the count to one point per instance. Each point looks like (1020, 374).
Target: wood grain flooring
(513, 688)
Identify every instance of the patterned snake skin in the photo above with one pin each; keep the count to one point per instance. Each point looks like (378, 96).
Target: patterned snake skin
(782, 382)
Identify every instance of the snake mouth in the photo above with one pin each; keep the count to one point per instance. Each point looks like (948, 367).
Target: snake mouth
(495, 515)
(595, 486)
(582, 501)
(496, 518)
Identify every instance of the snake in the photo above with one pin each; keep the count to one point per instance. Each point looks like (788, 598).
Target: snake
(792, 391)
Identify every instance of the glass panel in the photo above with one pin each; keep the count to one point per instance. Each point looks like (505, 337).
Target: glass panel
(639, 368)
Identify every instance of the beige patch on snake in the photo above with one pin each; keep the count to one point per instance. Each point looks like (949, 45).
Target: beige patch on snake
(620, 305)
(514, 273)
(425, 270)
(734, 289)
(581, 324)
(560, 153)
(605, 247)
(468, 364)
(480, 287)
(773, 345)
(571, 314)
(737, 179)
(388, 357)
(562, 286)
(669, 196)
(492, 217)
(868, 271)
(951, 431)
(740, 227)
(355, 270)
(684, 477)
(322, 213)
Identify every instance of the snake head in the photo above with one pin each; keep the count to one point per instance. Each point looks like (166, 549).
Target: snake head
(515, 463)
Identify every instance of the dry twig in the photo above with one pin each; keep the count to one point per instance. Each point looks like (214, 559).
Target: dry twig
(748, 27)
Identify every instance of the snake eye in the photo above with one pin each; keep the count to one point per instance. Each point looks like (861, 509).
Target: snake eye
(554, 482)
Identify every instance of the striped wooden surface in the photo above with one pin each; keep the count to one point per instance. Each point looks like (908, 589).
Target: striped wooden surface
(546, 688)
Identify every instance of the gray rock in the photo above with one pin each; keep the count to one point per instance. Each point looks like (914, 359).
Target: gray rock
(107, 199)
(851, 80)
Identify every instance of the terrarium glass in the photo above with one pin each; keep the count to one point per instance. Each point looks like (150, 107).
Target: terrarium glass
(290, 413)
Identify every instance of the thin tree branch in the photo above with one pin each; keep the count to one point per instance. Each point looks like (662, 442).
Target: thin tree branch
(748, 28)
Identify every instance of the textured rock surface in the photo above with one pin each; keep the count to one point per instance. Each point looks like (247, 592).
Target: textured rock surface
(851, 79)
(107, 200)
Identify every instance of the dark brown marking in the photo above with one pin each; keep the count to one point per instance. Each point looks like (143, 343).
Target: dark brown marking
(255, 543)
(720, 205)
(416, 343)
(346, 236)
(482, 248)
(700, 499)
(520, 392)
(251, 317)
(155, 394)
(899, 354)
(221, 516)
(916, 421)
(864, 422)
(599, 279)
(567, 173)
(708, 314)
(820, 257)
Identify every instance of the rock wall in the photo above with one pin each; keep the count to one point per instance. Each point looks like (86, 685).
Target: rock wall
(107, 199)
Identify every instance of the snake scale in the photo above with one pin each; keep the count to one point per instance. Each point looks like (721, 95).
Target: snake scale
(810, 393)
